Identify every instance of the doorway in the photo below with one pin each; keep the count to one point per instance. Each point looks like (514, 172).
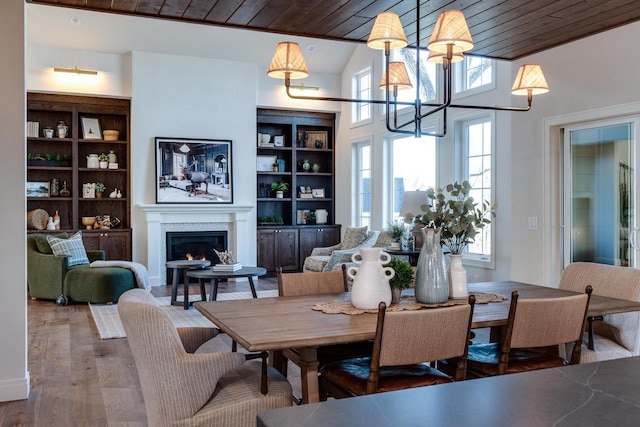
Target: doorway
(599, 183)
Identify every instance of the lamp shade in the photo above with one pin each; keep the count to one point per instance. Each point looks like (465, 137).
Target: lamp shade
(387, 29)
(438, 57)
(411, 202)
(398, 77)
(288, 59)
(451, 29)
(530, 78)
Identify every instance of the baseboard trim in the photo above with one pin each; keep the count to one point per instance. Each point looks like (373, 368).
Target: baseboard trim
(14, 389)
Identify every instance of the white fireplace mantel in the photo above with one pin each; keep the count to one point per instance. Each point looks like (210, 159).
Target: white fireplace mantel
(186, 217)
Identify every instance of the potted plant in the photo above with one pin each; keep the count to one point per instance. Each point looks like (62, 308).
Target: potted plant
(104, 161)
(310, 217)
(395, 230)
(402, 279)
(99, 190)
(279, 188)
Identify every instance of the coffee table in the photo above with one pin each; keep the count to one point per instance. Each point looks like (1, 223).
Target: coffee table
(217, 276)
(185, 264)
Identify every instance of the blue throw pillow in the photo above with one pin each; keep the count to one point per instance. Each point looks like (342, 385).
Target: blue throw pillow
(72, 248)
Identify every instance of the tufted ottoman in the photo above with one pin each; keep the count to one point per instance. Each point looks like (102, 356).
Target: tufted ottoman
(97, 285)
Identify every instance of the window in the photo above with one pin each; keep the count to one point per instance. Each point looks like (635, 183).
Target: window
(474, 72)
(361, 90)
(362, 178)
(428, 74)
(413, 162)
(477, 137)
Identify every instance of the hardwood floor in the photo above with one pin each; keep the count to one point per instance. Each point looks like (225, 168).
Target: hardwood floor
(77, 379)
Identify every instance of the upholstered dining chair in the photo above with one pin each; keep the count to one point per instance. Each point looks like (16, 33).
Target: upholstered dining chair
(404, 342)
(311, 283)
(184, 381)
(611, 336)
(319, 283)
(536, 327)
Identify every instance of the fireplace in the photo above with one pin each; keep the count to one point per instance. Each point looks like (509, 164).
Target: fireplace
(194, 245)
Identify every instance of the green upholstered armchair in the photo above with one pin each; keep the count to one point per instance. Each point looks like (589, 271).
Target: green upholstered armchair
(46, 274)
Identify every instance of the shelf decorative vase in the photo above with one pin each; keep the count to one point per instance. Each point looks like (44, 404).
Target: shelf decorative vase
(431, 285)
(370, 279)
(457, 276)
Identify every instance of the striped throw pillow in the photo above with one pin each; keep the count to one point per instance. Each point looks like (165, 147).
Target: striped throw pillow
(72, 248)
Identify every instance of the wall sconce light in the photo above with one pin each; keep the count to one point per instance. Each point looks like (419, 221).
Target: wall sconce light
(75, 70)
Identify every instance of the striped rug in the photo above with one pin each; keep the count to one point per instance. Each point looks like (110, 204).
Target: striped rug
(109, 325)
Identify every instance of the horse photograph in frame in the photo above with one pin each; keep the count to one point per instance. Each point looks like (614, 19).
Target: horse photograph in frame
(193, 170)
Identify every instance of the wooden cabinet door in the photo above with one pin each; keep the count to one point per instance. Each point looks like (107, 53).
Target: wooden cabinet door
(287, 249)
(278, 247)
(308, 241)
(329, 236)
(116, 245)
(266, 249)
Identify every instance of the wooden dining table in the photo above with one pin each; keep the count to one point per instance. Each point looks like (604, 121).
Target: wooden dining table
(278, 323)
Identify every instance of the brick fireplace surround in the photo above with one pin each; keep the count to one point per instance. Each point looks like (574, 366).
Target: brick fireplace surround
(163, 218)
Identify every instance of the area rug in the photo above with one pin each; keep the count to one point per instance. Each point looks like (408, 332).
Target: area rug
(109, 325)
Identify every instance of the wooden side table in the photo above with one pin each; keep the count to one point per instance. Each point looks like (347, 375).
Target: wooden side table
(186, 264)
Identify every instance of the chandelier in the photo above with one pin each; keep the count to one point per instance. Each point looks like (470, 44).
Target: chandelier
(449, 41)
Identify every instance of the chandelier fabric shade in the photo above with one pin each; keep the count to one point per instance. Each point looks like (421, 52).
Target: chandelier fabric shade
(387, 29)
(398, 77)
(530, 80)
(451, 29)
(288, 59)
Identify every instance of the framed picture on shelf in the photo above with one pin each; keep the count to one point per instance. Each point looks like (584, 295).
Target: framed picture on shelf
(316, 139)
(193, 171)
(278, 140)
(318, 192)
(265, 163)
(91, 128)
(38, 189)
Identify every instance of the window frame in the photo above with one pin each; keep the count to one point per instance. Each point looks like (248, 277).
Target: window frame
(357, 181)
(460, 77)
(357, 93)
(486, 261)
(390, 174)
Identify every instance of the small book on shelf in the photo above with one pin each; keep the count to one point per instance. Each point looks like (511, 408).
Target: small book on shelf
(227, 267)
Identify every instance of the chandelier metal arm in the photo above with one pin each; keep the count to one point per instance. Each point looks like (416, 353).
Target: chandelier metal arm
(496, 108)
(287, 83)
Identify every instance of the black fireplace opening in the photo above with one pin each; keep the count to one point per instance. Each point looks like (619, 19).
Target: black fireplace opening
(194, 245)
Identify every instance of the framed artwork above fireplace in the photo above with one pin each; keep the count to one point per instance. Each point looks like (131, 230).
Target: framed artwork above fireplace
(193, 170)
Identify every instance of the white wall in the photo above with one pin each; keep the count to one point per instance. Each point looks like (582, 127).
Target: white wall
(14, 377)
(113, 79)
(589, 78)
(186, 97)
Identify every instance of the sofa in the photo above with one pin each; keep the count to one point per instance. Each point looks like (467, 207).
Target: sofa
(49, 276)
(615, 335)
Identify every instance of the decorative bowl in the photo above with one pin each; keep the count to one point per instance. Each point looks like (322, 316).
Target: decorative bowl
(88, 221)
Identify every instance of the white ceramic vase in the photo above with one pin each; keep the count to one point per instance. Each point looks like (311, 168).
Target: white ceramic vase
(370, 279)
(457, 278)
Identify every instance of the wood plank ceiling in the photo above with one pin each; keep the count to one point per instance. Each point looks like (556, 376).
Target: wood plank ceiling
(505, 29)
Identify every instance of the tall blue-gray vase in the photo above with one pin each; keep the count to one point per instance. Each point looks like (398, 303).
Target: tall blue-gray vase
(432, 285)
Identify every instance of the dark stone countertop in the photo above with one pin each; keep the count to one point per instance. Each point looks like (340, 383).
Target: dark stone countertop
(595, 394)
